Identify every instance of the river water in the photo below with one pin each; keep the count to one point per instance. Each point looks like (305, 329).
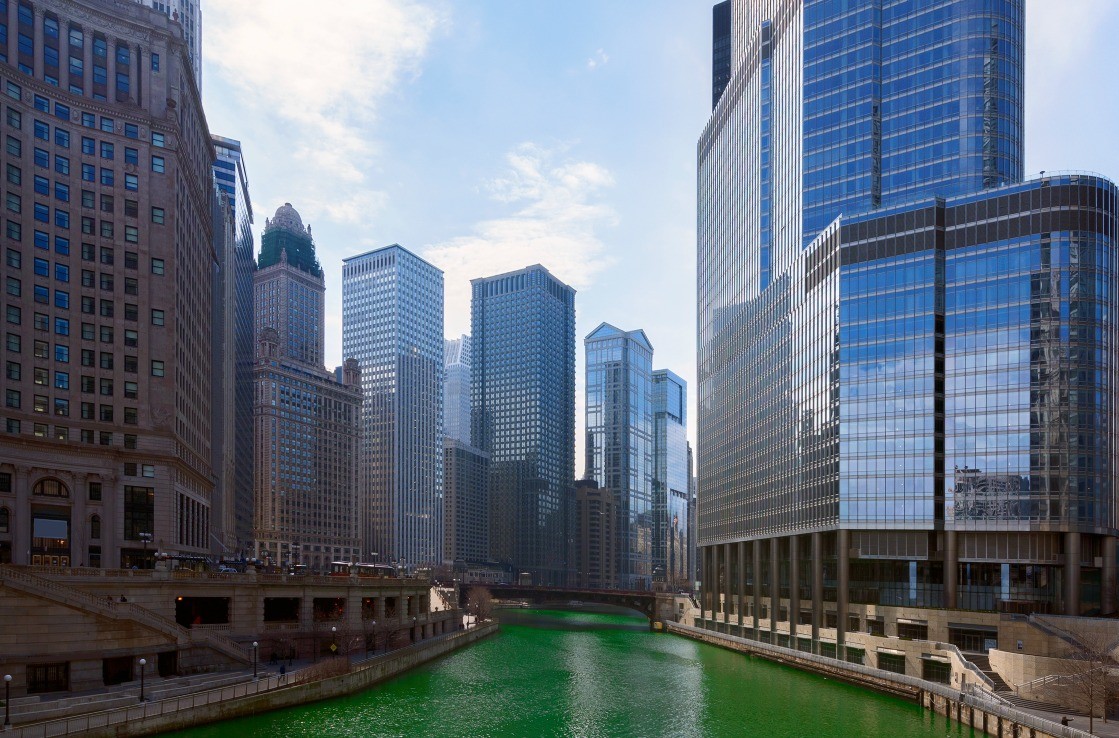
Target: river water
(560, 673)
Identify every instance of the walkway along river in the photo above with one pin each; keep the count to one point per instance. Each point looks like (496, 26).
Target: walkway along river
(559, 673)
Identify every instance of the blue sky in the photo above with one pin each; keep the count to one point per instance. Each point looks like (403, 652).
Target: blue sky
(489, 135)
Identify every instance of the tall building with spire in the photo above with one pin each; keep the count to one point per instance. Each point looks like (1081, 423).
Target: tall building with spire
(308, 471)
(392, 323)
(907, 350)
(456, 389)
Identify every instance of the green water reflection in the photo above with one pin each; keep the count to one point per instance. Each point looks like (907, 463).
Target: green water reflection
(556, 673)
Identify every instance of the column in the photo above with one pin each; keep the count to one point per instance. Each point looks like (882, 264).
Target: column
(37, 35)
(1107, 593)
(21, 516)
(774, 586)
(817, 588)
(757, 557)
(708, 582)
(843, 548)
(716, 589)
(951, 569)
(725, 587)
(1072, 573)
(742, 583)
(794, 588)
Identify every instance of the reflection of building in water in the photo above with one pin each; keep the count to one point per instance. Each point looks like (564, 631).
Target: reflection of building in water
(995, 496)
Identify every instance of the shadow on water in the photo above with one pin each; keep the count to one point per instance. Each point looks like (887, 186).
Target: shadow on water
(589, 616)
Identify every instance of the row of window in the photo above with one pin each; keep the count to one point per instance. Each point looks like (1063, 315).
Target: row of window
(62, 433)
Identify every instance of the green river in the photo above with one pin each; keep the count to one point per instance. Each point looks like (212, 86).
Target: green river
(561, 673)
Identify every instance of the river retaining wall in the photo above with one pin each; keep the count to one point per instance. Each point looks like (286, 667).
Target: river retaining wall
(240, 700)
(993, 718)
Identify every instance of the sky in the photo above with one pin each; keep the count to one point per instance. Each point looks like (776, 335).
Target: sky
(489, 135)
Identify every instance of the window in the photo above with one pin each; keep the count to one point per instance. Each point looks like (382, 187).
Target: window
(106, 229)
(106, 255)
(61, 299)
(14, 286)
(87, 435)
(131, 130)
(131, 338)
(107, 124)
(158, 164)
(11, 425)
(41, 322)
(89, 146)
(107, 177)
(14, 314)
(41, 350)
(40, 376)
(88, 225)
(106, 413)
(62, 217)
(14, 119)
(88, 357)
(131, 287)
(157, 215)
(131, 208)
(95, 491)
(13, 370)
(131, 312)
(14, 259)
(157, 317)
(42, 295)
(87, 411)
(61, 164)
(131, 260)
(62, 137)
(87, 384)
(61, 326)
(89, 120)
(106, 279)
(42, 158)
(12, 342)
(42, 213)
(157, 266)
(155, 62)
(107, 203)
(129, 440)
(14, 174)
(131, 182)
(62, 245)
(61, 407)
(106, 387)
(42, 130)
(42, 267)
(131, 392)
(61, 272)
(62, 192)
(88, 251)
(139, 511)
(62, 353)
(87, 278)
(40, 403)
(131, 364)
(106, 360)
(11, 398)
(61, 433)
(131, 156)
(89, 173)
(130, 416)
(61, 111)
(157, 138)
(5, 515)
(157, 368)
(13, 230)
(131, 234)
(106, 150)
(87, 305)
(88, 199)
(106, 309)
(106, 334)
(95, 527)
(13, 146)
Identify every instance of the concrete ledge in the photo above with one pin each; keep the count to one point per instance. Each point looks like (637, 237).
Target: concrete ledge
(251, 698)
(990, 717)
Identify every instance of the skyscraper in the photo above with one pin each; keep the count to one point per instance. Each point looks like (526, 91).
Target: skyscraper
(523, 415)
(466, 529)
(672, 475)
(392, 323)
(188, 14)
(619, 442)
(899, 405)
(231, 178)
(307, 502)
(456, 389)
(105, 456)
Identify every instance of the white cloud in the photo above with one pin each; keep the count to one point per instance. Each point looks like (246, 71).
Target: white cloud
(556, 221)
(311, 76)
(599, 59)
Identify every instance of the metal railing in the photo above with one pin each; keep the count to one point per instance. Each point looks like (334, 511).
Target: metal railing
(912, 683)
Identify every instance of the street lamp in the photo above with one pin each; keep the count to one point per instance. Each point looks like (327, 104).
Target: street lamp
(333, 640)
(255, 644)
(146, 538)
(143, 663)
(7, 702)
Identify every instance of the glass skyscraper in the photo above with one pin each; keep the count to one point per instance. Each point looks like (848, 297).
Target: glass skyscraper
(906, 352)
(523, 415)
(619, 442)
(392, 323)
(456, 389)
(672, 479)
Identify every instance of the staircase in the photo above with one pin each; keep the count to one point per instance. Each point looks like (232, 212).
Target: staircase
(24, 581)
(1004, 691)
(983, 663)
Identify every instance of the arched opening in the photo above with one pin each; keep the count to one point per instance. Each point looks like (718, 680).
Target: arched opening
(95, 528)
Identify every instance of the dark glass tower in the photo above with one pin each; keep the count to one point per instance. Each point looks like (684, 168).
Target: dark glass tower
(906, 352)
(523, 415)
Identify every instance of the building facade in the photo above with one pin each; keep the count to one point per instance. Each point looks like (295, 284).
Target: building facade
(231, 179)
(595, 551)
(392, 323)
(619, 443)
(522, 391)
(188, 15)
(456, 389)
(672, 477)
(466, 527)
(906, 352)
(105, 455)
(306, 426)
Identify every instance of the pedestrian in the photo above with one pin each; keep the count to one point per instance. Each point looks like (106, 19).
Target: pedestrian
(283, 673)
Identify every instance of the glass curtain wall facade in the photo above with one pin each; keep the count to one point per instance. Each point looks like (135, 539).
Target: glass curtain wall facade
(523, 415)
(672, 475)
(619, 442)
(392, 323)
(907, 402)
(456, 389)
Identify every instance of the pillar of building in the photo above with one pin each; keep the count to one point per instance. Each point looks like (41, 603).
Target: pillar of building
(716, 581)
(726, 585)
(1108, 604)
(794, 588)
(842, 560)
(1072, 573)
(951, 569)
(741, 583)
(21, 518)
(757, 560)
(817, 588)
(774, 584)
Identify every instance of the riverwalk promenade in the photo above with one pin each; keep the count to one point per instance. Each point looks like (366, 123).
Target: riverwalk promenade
(245, 695)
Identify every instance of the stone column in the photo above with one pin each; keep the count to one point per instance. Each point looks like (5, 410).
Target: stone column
(1108, 584)
(716, 588)
(726, 586)
(757, 556)
(951, 569)
(794, 588)
(1072, 573)
(843, 547)
(774, 585)
(21, 516)
(817, 587)
(742, 583)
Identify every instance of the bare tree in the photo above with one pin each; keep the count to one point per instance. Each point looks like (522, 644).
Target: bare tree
(479, 603)
(1088, 682)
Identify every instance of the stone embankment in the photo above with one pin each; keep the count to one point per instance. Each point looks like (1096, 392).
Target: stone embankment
(238, 700)
(983, 714)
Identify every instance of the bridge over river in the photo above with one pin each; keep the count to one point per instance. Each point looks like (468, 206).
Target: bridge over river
(656, 606)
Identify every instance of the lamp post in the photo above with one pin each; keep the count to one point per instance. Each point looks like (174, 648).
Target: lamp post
(146, 539)
(374, 622)
(143, 663)
(255, 644)
(7, 702)
(334, 640)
